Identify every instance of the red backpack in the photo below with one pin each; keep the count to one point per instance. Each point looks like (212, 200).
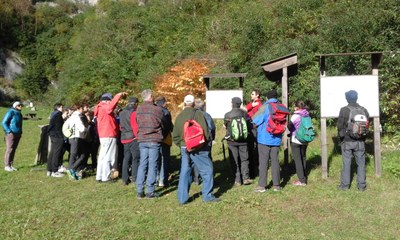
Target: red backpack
(193, 134)
(277, 119)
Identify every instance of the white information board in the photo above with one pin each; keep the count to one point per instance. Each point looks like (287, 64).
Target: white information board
(333, 93)
(219, 102)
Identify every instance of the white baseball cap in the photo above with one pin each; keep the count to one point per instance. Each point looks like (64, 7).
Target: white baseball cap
(189, 99)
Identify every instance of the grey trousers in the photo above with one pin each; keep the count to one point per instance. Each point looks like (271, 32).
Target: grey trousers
(266, 153)
(358, 150)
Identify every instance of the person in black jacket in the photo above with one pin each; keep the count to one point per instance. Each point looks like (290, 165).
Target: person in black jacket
(351, 146)
(238, 149)
(57, 141)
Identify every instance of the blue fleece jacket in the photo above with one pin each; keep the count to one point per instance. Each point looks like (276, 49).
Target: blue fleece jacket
(12, 121)
(260, 119)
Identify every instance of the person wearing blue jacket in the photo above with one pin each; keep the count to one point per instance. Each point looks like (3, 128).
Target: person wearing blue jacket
(268, 146)
(12, 126)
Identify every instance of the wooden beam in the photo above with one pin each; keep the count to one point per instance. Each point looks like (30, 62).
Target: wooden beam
(279, 64)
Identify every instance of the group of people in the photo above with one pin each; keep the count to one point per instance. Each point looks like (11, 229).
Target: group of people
(146, 132)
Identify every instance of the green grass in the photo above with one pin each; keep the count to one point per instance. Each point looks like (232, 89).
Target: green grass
(33, 206)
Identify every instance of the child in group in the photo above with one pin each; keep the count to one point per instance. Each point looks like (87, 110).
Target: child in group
(299, 149)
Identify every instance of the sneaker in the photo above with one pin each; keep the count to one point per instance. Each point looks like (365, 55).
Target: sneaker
(62, 169)
(72, 174)
(161, 184)
(48, 174)
(140, 195)
(260, 189)
(214, 200)
(247, 182)
(238, 184)
(57, 174)
(8, 169)
(152, 195)
(276, 188)
(362, 189)
(13, 168)
(298, 183)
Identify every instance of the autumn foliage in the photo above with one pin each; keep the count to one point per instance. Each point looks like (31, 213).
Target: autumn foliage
(183, 79)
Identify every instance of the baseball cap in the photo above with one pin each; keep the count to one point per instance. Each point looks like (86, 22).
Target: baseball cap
(106, 96)
(15, 104)
(189, 99)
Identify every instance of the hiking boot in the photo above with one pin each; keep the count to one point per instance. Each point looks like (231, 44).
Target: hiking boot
(298, 183)
(152, 195)
(114, 173)
(57, 174)
(260, 189)
(8, 169)
(140, 195)
(276, 188)
(342, 187)
(247, 182)
(238, 184)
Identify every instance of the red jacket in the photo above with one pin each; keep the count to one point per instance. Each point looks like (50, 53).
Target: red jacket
(107, 125)
(252, 110)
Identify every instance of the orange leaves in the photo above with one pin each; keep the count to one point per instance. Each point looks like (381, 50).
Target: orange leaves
(183, 79)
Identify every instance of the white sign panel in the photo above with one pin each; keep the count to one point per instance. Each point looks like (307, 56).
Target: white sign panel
(333, 93)
(219, 102)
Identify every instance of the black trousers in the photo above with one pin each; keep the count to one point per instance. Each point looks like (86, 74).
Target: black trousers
(299, 156)
(239, 159)
(56, 153)
(131, 160)
(76, 154)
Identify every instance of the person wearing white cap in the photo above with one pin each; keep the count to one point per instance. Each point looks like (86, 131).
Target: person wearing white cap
(199, 158)
(12, 126)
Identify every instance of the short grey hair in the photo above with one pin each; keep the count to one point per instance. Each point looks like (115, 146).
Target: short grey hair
(146, 94)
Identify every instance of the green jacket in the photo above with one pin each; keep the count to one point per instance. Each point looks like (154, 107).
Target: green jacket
(186, 114)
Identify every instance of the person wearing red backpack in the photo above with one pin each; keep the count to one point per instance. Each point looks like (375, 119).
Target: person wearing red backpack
(268, 145)
(198, 157)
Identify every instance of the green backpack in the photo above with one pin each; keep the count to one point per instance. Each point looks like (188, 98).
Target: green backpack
(239, 130)
(305, 133)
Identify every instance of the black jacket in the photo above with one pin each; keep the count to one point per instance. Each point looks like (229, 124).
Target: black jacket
(55, 125)
(343, 119)
(235, 113)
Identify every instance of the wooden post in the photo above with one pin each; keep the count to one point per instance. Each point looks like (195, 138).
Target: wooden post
(324, 146)
(375, 59)
(324, 149)
(285, 101)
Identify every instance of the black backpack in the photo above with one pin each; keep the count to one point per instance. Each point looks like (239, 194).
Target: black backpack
(357, 124)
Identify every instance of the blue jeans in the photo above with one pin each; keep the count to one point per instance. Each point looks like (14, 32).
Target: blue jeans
(149, 154)
(202, 161)
(165, 155)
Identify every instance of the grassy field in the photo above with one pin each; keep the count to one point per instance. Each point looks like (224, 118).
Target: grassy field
(33, 206)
